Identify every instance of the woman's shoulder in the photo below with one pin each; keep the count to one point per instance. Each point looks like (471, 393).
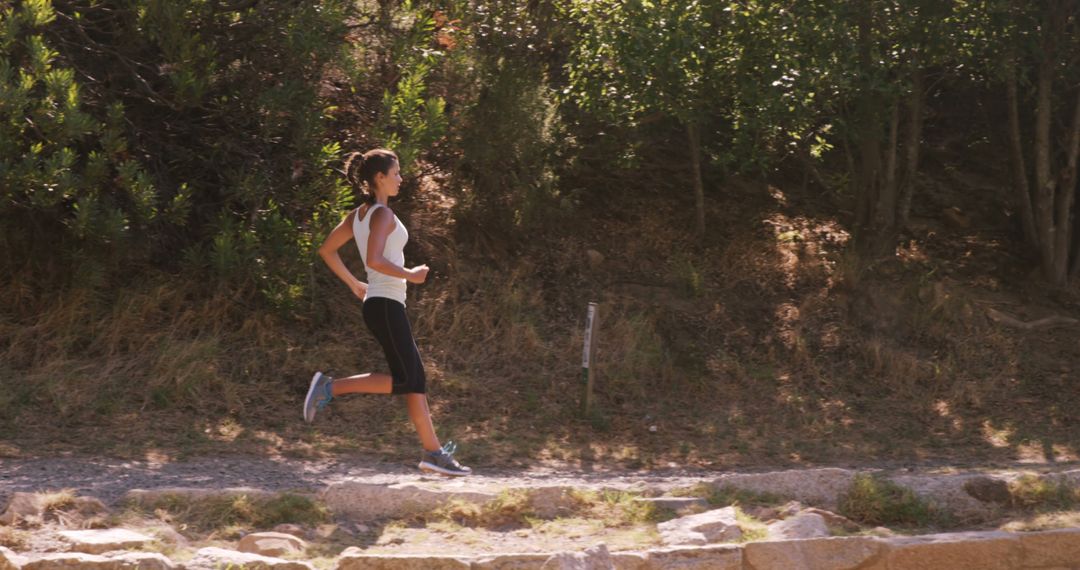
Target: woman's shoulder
(382, 215)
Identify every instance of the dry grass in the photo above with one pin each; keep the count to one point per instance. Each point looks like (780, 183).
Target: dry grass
(57, 500)
(226, 517)
(513, 508)
(764, 343)
(1043, 521)
(14, 538)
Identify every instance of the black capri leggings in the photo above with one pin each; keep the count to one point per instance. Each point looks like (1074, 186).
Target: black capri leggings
(386, 319)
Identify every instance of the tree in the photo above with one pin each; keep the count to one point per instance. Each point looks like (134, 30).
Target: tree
(192, 130)
(639, 57)
(857, 82)
(1032, 50)
(63, 172)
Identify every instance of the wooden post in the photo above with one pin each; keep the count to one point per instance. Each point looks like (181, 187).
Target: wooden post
(586, 358)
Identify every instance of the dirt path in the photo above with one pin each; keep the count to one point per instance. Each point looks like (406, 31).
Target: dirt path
(109, 479)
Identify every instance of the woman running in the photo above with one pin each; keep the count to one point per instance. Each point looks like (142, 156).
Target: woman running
(381, 237)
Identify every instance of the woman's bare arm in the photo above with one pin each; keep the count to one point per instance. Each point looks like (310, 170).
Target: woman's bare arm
(329, 253)
(382, 223)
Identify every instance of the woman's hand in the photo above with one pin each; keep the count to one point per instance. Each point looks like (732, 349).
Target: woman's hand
(418, 274)
(359, 289)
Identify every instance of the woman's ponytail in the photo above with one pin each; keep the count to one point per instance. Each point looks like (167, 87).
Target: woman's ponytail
(360, 170)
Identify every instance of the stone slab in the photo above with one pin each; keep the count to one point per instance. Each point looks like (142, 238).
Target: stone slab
(104, 540)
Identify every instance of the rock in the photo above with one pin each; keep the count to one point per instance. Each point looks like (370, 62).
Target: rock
(293, 529)
(143, 561)
(23, 506)
(213, 558)
(626, 560)
(1050, 548)
(713, 557)
(367, 501)
(168, 535)
(991, 550)
(508, 562)
(552, 502)
(98, 541)
(802, 525)
(126, 561)
(717, 525)
(988, 490)
(949, 493)
(595, 258)
(790, 508)
(271, 544)
(89, 506)
(764, 514)
(9, 560)
(53, 561)
(832, 519)
(595, 558)
(355, 559)
(677, 504)
(814, 486)
(330, 531)
(813, 554)
(882, 531)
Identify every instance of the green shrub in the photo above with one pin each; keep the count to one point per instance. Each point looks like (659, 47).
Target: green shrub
(877, 501)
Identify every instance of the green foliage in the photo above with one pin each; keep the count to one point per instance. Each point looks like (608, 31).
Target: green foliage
(510, 143)
(58, 164)
(511, 134)
(412, 121)
(648, 55)
(232, 171)
(1044, 494)
(877, 501)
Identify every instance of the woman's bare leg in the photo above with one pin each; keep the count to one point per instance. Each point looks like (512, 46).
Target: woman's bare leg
(371, 383)
(379, 383)
(421, 418)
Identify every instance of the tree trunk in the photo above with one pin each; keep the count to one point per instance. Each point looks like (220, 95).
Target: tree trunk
(1021, 189)
(1044, 181)
(911, 146)
(1067, 192)
(885, 215)
(694, 138)
(868, 135)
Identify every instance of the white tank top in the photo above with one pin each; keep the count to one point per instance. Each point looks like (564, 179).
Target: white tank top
(381, 284)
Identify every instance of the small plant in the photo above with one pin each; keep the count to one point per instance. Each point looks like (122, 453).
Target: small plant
(1036, 493)
(689, 276)
(57, 500)
(620, 508)
(511, 508)
(877, 501)
(752, 529)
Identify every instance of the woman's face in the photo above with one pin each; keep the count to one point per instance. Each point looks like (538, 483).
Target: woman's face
(390, 183)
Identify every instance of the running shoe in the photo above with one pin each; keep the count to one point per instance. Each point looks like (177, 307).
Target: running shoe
(319, 395)
(442, 461)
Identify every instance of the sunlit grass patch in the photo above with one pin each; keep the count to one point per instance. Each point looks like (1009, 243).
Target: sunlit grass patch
(231, 516)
